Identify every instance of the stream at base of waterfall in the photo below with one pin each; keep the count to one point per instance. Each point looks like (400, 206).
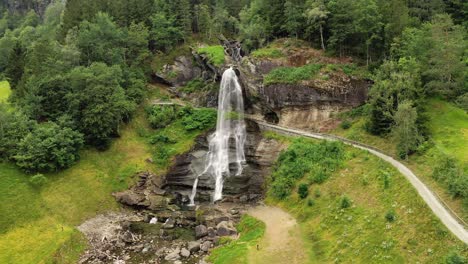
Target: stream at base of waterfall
(230, 129)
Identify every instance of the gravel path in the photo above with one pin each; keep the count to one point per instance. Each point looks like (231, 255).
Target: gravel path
(431, 200)
(282, 241)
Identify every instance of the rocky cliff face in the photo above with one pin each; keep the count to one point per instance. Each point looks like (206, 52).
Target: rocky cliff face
(260, 154)
(309, 104)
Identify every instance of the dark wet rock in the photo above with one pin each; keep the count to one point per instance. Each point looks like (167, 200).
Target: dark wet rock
(193, 246)
(211, 232)
(200, 231)
(225, 229)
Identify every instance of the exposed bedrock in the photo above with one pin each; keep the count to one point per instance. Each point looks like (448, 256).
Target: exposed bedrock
(260, 155)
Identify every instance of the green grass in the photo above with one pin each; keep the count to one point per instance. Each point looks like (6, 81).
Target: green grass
(236, 251)
(291, 75)
(215, 54)
(5, 91)
(268, 52)
(361, 232)
(448, 126)
(38, 225)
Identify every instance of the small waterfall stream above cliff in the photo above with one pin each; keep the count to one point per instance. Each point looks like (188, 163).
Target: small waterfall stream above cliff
(230, 128)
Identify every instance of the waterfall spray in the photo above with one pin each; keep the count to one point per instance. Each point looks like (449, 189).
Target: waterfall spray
(230, 127)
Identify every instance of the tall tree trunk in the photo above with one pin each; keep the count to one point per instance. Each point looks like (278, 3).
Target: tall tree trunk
(321, 37)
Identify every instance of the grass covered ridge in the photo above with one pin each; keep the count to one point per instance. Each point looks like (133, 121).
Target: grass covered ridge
(364, 211)
(236, 251)
(267, 52)
(215, 54)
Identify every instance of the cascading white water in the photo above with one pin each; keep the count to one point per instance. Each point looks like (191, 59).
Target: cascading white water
(230, 127)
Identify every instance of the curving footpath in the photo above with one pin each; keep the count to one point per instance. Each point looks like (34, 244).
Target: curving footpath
(431, 200)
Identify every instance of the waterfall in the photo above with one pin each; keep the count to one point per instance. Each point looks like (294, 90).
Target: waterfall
(230, 128)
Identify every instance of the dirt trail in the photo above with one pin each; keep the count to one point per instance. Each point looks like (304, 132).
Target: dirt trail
(282, 241)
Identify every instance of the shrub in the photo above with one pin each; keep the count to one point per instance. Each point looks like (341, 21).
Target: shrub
(310, 202)
(386, 179)
(317, 193)
(38, 180)
(199, 119)
(49, 147)
(160, 138)
(390, 216)
(450, 173)
(345, 202)
(346, 124)
(215, 54)
(193, 86)
(160, 116)
(454, 258)
(303, 190)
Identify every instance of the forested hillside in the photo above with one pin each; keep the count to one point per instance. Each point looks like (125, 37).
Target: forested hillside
(77, 85)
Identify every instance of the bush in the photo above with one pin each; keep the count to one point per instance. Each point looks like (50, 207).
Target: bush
(303, 190)
(317, 193)
(345, 202)
(160, 116)
(310, 202)
(390, 216)
(193, 86)
(450, 173)
(160, 138)
(49, 147)
(462, 101)
(38, 180)
(455, 258)
(199, 119)
(215, 54)
(346, 124)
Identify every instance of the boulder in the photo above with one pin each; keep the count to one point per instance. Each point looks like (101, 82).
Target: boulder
(185, 253)
(193, 246)
(129, 197)
(206, 246)
(225, 229)
(173, 255)
(211, 232)
(201, 231)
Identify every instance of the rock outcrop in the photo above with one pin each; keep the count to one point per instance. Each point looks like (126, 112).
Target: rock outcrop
(260, 155)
